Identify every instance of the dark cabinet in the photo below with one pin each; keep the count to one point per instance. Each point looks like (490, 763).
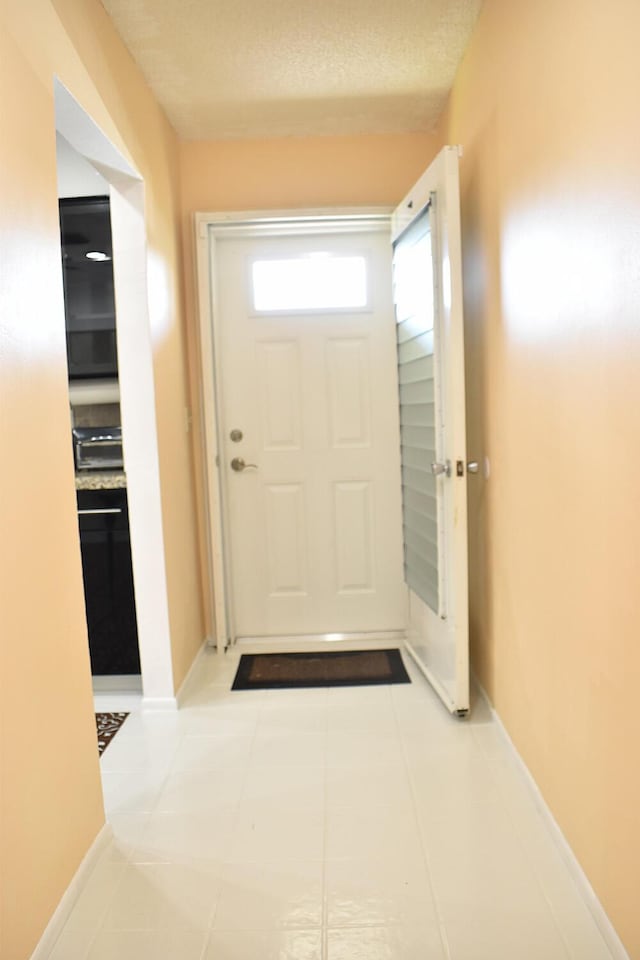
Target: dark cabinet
(87, 271)
(108, 582)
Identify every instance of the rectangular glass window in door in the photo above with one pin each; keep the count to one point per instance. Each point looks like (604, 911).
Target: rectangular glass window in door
(316, 282)
(413, 283)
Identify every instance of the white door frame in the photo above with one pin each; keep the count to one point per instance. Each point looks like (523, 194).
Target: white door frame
(248, 223)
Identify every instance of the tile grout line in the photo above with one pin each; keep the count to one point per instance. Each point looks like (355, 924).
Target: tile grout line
(571, 955)
(97, 928)
(126, 863)
(425, 853)
(263, 708)
(324, 926)
(236, 820)
(208, 933)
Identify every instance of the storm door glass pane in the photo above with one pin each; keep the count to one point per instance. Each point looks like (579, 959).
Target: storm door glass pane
(414, 305)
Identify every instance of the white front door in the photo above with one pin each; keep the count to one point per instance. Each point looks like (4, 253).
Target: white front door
(308, 432)
(428, 301)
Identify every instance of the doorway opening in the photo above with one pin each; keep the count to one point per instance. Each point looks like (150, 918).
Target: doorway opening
(105, 166)
(301, 427)
(96, 422)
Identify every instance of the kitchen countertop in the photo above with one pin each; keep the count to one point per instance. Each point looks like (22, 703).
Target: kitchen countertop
(101, 480)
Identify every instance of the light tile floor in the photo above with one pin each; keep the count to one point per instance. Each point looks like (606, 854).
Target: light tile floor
(358, 823)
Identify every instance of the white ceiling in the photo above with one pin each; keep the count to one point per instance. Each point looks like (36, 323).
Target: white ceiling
(273, 68)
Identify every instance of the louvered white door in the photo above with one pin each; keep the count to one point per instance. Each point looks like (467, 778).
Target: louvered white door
(309, 433)
(427, 272)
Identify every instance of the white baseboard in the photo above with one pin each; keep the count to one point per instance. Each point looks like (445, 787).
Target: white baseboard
(128, 683)
(588, 894)
(184, 686)
(158, 704)
(63, 910)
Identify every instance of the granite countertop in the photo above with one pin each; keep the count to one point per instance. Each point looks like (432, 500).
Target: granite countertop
(101, 480)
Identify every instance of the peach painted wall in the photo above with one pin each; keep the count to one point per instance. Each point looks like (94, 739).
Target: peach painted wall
(298, 172)
(288, 174)
(546, 106)
(50, 800)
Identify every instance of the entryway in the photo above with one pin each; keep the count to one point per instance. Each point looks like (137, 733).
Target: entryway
(336, 494)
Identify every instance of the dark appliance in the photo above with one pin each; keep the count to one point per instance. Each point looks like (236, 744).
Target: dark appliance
(87, 272)
(108, 582)
(97, 448)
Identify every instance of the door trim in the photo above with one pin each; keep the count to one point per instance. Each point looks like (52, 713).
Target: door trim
(209, 227)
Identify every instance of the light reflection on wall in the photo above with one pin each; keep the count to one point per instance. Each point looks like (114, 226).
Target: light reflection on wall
(559, 268)
(160, 297)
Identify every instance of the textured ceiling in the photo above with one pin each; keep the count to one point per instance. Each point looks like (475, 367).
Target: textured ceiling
(260, 68)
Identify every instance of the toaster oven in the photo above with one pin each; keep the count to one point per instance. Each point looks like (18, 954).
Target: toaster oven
(97, 448)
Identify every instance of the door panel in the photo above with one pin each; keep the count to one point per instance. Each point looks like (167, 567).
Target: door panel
(279, 365)
(314, 535)
(286, 539)
(349, 387)
(355, 560)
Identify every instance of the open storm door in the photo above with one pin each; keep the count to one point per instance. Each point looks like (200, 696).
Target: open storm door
(427, 277)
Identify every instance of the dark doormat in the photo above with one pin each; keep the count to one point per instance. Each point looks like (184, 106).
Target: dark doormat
(336, 668)
(108, 725)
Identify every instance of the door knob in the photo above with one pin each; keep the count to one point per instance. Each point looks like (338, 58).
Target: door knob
(472, 466)
(239, 465)
(441, 469)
